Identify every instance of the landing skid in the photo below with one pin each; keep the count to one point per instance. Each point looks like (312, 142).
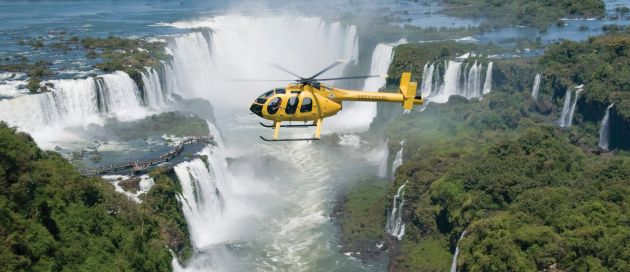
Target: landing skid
(289, 126)
(288, 140)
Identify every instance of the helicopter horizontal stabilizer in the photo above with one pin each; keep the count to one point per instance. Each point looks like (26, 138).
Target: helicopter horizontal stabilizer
(288, 140)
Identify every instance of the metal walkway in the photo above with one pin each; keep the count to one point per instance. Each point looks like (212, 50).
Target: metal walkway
(136, 166)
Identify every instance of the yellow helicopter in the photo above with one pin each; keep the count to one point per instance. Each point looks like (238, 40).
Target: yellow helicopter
(309, 100)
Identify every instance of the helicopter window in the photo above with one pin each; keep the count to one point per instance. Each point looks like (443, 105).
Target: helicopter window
(256, 109)
(263, 98)
(291, 105)
(307, 105)
(274, 105)
(280, 91)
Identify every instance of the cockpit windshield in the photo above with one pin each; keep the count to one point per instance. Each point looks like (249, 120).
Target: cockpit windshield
(263, 98)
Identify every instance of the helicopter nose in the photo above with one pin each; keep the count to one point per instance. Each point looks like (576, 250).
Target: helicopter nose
(256, 109)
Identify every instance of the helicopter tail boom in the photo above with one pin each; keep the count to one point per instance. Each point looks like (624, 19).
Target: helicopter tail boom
(407, 94)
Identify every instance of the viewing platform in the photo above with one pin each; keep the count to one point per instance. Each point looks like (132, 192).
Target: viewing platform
(144, 165)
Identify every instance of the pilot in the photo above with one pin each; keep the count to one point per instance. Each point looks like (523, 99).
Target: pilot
(274, 105)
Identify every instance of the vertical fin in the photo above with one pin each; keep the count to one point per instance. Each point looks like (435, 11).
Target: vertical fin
(410, 96)
(404, 83)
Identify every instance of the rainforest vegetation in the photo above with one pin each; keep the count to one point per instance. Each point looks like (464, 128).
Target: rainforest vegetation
(530, 195)
(120, 54)
(53, 219)
(539, 14)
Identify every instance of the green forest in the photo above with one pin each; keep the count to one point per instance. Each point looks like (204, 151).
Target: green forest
(54, 219)
(539, 14)
(530, 195)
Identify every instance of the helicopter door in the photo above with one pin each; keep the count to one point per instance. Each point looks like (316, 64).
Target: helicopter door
(292, 105)
(307, 105)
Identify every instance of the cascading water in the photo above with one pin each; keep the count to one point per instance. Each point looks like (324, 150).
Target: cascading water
(73, 102)
(604, 130)
(458, 79)
(202, 196)
(381, 58)
(427, 80)
(473, 82)
(572, 111)
(487, 84)
(536, 87)
(288, 235)
(154, 95)
(398, 160)
(121, 96)
(382, 166)
(395, 225)
(451, 82)
(563, 121)
(205, 62)
(454, 263)
(568, 108)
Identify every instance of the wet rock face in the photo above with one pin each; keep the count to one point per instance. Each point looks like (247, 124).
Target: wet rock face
(619, 131)
(516, 74)
(592, 111)
(130, 185)
(541, 106)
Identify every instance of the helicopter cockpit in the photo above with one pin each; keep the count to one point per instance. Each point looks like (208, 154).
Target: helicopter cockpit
(272, 107)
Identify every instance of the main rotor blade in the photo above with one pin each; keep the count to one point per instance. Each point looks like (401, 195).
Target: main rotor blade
(259, 80)
(350, 77)
(285, 70)
(327, 68)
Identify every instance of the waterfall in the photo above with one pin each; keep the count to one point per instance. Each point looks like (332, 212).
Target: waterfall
(154, 95)
(454, 263)
(572, 111)
(363, 113)
(31, 112)
(398, 160)
(74, 102)
(395, 225)
(382, 166)
(202, 196)
(457, 79)
(473, 81)
(205, 61)
(381, 58)
(120, 94)
(604, 130)
(536, 87)
(426, 86)
(487, 85)
(562, 122)
(451, 80)
(568, 108)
